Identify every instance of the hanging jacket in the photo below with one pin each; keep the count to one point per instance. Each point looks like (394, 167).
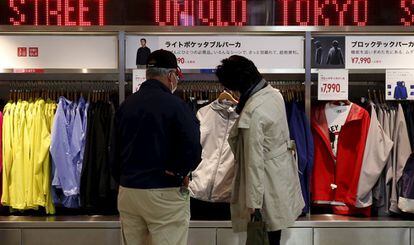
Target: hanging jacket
(300, 132)
(382, 190)
(409, 117)
(213, 177)
(77, 144)
(401, 152)
(335, 179)
(377, 151)
(406, 187)
(26, 165)
(266, 174)
(98, 189)
(400, 91)
(62, 159)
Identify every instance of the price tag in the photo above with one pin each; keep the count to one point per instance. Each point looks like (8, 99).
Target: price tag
(379, 52)
(138, 77)
(333, 84)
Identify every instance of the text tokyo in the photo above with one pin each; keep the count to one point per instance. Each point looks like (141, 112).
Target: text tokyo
(287, 12)
(57, 12)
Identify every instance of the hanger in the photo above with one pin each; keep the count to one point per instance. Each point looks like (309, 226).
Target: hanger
(340, 102)
(228, 97)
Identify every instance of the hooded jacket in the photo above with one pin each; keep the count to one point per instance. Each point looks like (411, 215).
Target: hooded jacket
(335, 179)
(266, 174)
(335, 57)
(212, 180)
(400, 91)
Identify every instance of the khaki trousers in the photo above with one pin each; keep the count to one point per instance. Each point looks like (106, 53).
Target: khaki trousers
(154, 216)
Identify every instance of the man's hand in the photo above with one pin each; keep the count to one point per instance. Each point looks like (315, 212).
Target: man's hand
(186, 181)
(251, 210)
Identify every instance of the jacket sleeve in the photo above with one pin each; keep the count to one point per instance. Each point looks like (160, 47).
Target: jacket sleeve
(114, 153)
(328, 60)
(254, 164)
(188, 140)
(137, 57)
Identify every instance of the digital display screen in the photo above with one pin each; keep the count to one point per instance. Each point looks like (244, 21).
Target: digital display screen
(207, 12)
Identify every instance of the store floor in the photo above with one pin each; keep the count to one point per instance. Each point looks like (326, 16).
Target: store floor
(105, 230)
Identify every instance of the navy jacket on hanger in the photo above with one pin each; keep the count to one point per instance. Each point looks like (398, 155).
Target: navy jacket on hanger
(300, 131)
(400, 92)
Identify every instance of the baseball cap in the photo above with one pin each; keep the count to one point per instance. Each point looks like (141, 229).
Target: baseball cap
(162, 59)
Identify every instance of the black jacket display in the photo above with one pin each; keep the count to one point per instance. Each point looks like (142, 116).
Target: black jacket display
(335, 57)
(98, 189)
(142, 55)
(154, 132)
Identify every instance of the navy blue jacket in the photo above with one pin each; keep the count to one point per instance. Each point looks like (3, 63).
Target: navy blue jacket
(400, 92)
(300, 132)
(154, 131)
(406, 187)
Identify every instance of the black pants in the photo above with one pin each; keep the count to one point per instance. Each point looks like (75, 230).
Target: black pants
(274, 237)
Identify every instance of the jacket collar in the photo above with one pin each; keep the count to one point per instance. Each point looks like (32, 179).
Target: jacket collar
(249, 93)
(153, 83)
(320, 124)
(254, 101)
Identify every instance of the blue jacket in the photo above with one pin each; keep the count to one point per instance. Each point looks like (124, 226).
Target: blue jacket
(61, 150)
(300, 132)
(154, 131)
(400, 92)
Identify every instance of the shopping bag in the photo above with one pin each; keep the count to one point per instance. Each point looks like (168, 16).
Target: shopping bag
(256, 230)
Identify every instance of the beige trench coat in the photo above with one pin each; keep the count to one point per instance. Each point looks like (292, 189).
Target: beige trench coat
(266, 173)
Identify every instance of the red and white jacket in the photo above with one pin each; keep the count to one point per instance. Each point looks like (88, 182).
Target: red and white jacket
(335, 179)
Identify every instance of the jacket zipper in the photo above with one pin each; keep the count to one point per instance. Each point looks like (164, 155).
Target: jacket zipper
(336, 163)
(219, 159)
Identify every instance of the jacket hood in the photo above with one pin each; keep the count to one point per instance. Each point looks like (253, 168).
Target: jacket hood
(224, 109)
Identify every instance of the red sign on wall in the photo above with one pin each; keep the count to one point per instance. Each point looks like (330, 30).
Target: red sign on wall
(21, 52)
(34, 52)
(28, 71)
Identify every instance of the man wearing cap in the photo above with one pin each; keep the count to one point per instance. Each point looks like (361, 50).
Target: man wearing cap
(155, 145)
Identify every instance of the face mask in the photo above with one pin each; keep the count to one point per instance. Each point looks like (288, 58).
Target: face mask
(174, 88)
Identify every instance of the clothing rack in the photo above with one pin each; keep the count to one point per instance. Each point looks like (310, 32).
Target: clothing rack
(199, 92)
(91, 90)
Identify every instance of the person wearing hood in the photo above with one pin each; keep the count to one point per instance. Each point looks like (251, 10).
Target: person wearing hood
(335, 56)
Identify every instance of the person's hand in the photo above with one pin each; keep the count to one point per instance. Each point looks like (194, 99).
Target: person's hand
(186, 180)
(251, 210)
(169, 173)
